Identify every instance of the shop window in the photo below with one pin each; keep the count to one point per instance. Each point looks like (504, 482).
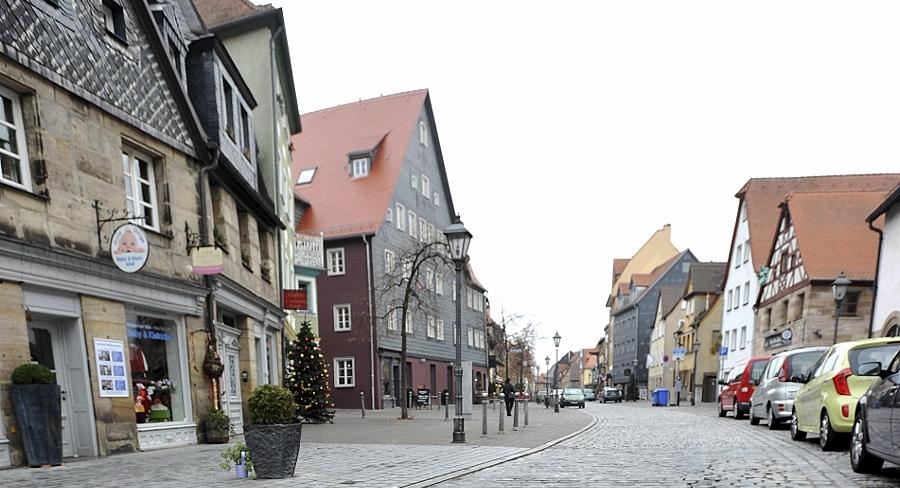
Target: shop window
(153, 350)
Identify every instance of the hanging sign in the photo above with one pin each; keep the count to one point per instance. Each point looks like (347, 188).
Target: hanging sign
(296, 299)
(110, 357)
(206, 260)
(129, 248)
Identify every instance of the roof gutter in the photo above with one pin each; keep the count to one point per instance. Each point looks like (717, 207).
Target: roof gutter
(877, 270)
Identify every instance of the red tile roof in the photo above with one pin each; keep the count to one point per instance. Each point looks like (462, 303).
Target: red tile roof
(341, 206)
(619, 265)
(832, 233)
(763, 195)
(641, 279)
(623, 287)
(590, 359)
(217, 12)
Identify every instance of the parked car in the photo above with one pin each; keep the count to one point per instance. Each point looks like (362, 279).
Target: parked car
(827, 401)
(773, 398)
(739, 386)
(611, 394)
(876, 430)
(572, 396)
(589, 394)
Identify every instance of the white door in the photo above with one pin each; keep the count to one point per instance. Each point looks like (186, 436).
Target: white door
(46, 348)
(230, 396)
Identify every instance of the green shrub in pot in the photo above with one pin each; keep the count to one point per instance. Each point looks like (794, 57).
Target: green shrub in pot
(218, 427)
(274, 434)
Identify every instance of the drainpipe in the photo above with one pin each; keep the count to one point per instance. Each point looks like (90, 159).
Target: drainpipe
(276, 163)
(371, 319)
(877, 270)
(209, 280)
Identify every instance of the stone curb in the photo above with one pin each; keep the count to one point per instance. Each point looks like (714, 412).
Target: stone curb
(488, 464)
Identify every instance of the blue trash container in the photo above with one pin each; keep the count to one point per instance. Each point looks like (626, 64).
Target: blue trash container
(662, 397)
(654, 397)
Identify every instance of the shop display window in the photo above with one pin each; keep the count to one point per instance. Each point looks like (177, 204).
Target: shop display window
(155, 369)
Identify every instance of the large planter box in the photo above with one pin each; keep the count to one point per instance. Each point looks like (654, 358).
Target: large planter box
(274, 449)
(215, 435)
(39, 416)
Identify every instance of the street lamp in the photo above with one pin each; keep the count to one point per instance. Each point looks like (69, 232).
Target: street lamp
(556, 339)
(839, 290)
(547, 380)
(458, 238)
(695, 347)
(634, 365)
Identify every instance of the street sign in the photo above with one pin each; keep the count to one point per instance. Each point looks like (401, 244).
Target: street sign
(723, 351)
(678, 354)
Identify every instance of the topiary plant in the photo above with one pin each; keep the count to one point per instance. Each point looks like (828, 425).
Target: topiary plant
(217, 419)
(270, 404)
(33, 374)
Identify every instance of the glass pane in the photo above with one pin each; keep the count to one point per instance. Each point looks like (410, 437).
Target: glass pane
(6, 109)
(145, 193)
(10, 168)
(129, 192)
(802, 363)
(126, 164)
(8, 139)
(40, 345)
(144, 168)
(147, 213)
(155, 369)
(883, 354)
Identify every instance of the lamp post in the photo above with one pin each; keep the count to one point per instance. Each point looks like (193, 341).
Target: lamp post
(458, 239)
(695, 347)
(556, 339)
(547, 380)
(839, 290)
(634, 365)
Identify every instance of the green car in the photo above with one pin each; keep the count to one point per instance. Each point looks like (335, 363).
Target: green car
(827, 401)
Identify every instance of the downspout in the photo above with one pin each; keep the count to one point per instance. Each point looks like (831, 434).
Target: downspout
(276, 164)
(877, 270)
(371, 320)
(209, 280)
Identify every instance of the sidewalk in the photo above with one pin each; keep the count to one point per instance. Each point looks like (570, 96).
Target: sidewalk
(378, 451)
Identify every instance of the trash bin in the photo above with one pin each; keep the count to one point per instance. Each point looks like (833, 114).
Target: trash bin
(661, 397)
(654, 397)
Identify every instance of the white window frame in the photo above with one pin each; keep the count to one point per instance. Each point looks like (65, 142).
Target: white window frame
(439, 284)
(747, 250)
(341, 379)
(429, 278)
(729, 299)
(306, 176)
(430, 331)
(336, 315)
(737, 255)
(426, 187)
(431, 232)
(439, 329)
(392, 320)
(18, 125)
(414, 182)
(310, 293)
(131, 176)
(359, 167)
(401, 217)
(453, 287)
(437, 199)
(733, 339)
(407, 268)
(409, 326)
(743, 343)
(336, 267)
(389, 215)
(423, 134)
(746, 293)
(471, 336)
(423, 230)
(390, 263)
(413, 224)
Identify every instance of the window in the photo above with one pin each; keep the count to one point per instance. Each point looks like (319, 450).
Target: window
(439, 330)
(733, 338)
(431, 233)
(14, 168)
(439, 284)
(423, 230)
(342, 318)
(153, 352)
(743, 337)
(409, 323)
(423, 134)
(429, 279)
(336, 261)
(228, 107)
(747, 250)
(140, 187)
(426, 187)
(245, 133)
(746, 293)
(850, 305)
(412, 224)
(471, 337)
(407, 269)
(744, 211)
(401, 217)
(389, 214)
(414, 182)
(389, 264)
(728, 300)
(437, 199)
(392, 320)
(737, 256)
(306, 176)
(114, 19)
(429, 330)
(453, 284)
(359, 167)
(725, 340)
(344, 372)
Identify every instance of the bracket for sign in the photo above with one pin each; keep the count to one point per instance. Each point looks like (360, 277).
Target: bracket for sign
(192, 239)
(110, 215)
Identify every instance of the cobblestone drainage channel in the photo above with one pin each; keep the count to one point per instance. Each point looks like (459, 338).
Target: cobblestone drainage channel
(488, 464)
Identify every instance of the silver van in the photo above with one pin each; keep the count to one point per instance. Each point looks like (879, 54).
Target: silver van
(773, 398)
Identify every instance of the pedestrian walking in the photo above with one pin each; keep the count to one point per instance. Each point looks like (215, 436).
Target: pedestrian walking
(510, 394)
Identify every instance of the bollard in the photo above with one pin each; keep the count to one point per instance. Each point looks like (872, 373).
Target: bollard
(502, 396)
(525, 406)
(494, 404)
(516, 414)
(362, 404)
(409, 397)
(446, 406)
(484, 415)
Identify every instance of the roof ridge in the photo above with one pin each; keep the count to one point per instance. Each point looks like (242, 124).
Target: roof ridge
(366, 100)
(806, 177)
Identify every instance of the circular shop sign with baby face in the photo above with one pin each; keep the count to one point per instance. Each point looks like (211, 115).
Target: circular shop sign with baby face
(129, 248)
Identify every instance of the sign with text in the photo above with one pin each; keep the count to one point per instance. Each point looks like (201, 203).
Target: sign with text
(779, 339)
(206, 260)
(296, 299)
(678, 354)
(129, 248)
(110, 357)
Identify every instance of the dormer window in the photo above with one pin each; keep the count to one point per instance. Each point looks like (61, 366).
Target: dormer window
(359, 167)
(306, 176)
(228, 94)
(114, 19)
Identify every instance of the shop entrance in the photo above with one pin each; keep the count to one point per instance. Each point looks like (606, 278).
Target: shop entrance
(230, 396)
(57, 345)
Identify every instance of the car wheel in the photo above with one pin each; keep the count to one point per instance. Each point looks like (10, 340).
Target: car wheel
(829, 440)
(722, 411)
(773, 421)
(738, 415)
(796, 433)
(754, 420)
(860, 459)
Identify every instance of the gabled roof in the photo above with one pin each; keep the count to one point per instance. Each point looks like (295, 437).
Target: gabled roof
(705, 277)
(217, 12)
(619, 265)
(658, 273)
(832, 234)
(641, 279)
(886, 205)
(670, 297)
(590, 359)
(623, 288)
(341, 206)
(472, 280)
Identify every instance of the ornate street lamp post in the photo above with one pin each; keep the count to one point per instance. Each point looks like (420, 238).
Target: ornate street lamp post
(839, 290)
(556, 339)
(458, 239)
(547, 380)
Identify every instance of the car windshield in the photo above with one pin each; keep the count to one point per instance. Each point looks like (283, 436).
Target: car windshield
(882, 353)
(757, 369)
(801, 363)
(572, 391)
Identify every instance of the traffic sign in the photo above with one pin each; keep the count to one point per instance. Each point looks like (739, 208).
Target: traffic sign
(723, 351)
(678, 354)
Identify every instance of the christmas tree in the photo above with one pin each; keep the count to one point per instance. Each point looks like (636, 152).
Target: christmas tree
(307, 377)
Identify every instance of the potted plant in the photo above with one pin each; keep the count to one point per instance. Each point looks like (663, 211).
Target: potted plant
(239, 456)
(218, 427)
(274, 435)
(37, 402)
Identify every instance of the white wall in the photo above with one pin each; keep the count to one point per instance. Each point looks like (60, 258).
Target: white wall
(888, 299)
(741, 316)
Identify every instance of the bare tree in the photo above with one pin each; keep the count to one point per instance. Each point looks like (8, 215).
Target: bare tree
(519, 334)
(407, 288)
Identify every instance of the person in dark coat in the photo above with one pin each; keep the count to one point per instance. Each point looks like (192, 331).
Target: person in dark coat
(509, 393)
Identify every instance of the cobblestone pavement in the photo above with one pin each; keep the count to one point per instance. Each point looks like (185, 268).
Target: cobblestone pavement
(639, 445)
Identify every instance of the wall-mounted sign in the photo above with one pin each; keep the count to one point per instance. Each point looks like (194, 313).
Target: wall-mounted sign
(296, 299)
(678, 354)
(110, 358)
(779, 339)
(129, 248)
(723, 351)
(206, 260)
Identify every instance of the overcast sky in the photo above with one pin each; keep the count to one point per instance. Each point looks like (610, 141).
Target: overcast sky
(572, 130)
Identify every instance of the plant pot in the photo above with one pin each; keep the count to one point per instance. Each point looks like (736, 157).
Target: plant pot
(39, 417)
(216, 434)
(274, 449)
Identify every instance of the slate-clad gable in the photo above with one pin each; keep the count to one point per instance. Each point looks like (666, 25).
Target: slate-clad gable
(70, 47)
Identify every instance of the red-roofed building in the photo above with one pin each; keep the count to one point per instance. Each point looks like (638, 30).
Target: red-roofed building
(373, 179)
(820, 235)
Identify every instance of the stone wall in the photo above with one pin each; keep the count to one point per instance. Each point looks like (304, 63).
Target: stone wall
(13, 352)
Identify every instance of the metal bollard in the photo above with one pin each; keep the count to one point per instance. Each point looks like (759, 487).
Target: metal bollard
(525, 406)
(484, 415)
(446, 406)
(494, 404)
(502, 396)
(516, 414)
(362, 404)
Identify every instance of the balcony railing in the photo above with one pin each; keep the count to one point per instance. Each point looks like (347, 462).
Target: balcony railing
(309, 251)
